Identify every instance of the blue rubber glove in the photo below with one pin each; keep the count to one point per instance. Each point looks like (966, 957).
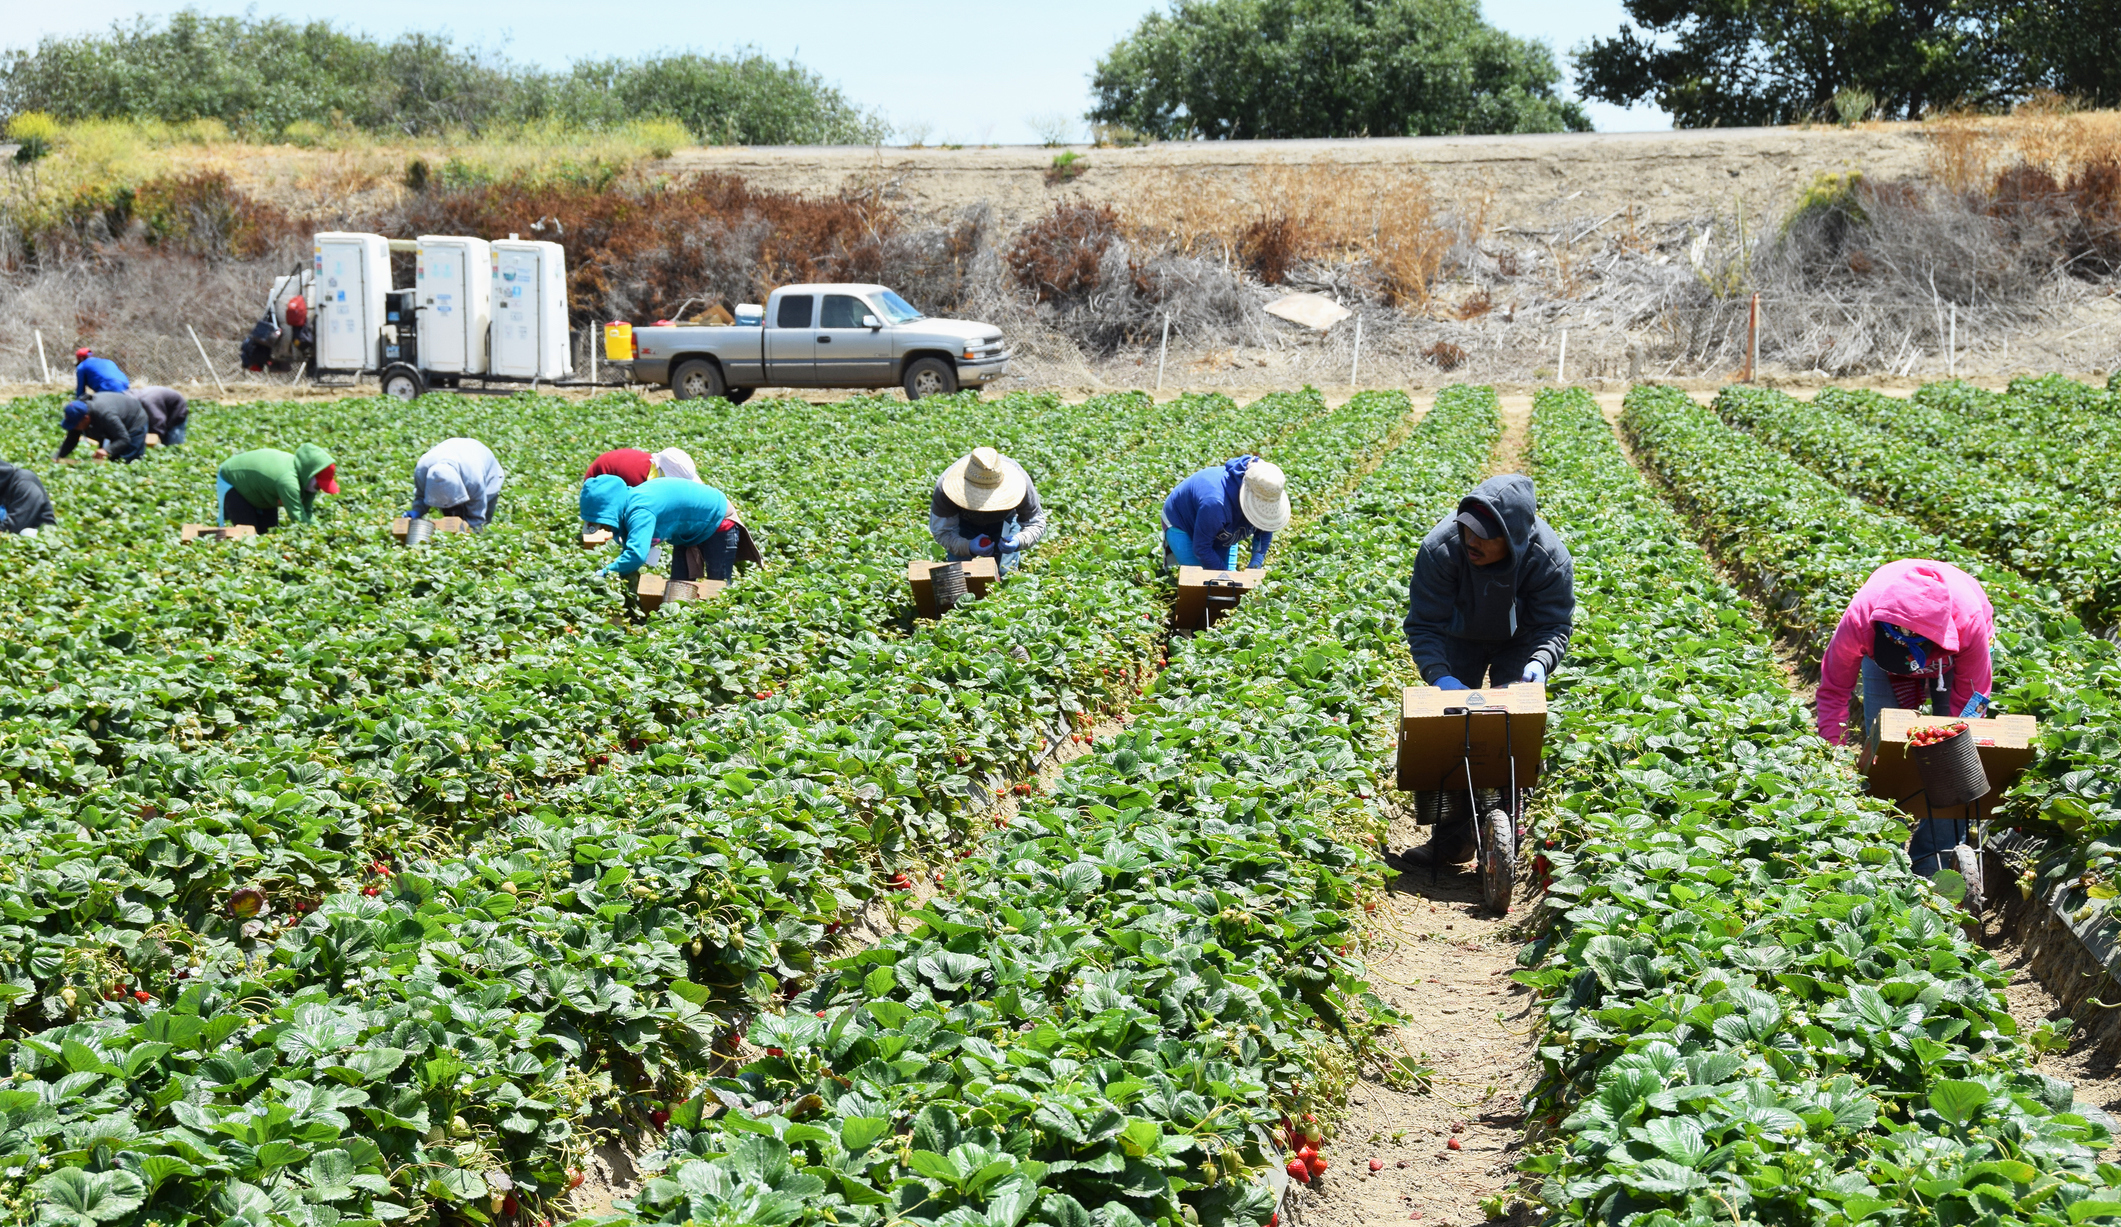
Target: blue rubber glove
(1535, 672)
(982, 543)
(1010, 544)
(1447, 682)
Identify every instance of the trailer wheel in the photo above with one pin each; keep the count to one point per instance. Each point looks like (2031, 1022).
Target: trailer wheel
(697, 379)
(737, 396)
(930, 377)
(402, 381)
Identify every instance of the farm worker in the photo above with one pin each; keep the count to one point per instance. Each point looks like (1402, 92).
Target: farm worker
(1491, 602)
(116, 421)
(93, 374)
(24, 506)
(167, 412)
(629, 464)
(251, 487)
(1918, 629)
(984, 506)
(683, 513)
(458, 477)
(673, 462)
(1212, 512)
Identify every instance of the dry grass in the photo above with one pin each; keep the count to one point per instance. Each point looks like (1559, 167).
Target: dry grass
(1967, 152)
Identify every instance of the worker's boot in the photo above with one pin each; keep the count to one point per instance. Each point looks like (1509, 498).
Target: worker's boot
(1450, 842)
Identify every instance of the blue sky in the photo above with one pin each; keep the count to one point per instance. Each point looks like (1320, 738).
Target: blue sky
(972, 72)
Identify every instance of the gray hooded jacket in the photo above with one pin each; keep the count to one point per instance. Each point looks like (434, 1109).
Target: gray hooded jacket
(1527, 599)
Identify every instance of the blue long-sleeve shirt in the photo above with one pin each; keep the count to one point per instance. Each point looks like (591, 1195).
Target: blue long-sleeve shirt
(663, 508)
(99, 375)
(1205, 508)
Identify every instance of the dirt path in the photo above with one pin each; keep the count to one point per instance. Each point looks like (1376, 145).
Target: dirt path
(1443, 961)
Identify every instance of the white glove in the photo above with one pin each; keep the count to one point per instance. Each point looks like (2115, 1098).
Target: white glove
(1535, 672)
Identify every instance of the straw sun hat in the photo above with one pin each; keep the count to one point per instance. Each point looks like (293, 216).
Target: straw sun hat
(982, 481)
(1264, 497)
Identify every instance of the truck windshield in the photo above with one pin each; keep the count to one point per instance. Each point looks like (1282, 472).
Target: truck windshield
(896, 310)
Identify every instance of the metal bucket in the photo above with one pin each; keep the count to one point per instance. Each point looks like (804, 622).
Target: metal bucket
(418, 531)
(949, 581)
(1950, 770)
(680, 590)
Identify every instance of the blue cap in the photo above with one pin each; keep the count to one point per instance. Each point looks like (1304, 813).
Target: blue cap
(76, 413)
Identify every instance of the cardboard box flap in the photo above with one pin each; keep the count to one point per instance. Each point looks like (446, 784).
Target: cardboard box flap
(2004, 743)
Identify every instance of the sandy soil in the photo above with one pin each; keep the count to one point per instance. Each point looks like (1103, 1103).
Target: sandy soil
(1531, 180)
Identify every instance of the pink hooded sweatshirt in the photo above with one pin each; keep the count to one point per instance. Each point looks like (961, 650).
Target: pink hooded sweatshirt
(1937, 601)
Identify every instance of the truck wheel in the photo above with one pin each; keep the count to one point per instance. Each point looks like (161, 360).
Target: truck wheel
(697, 379)
(737, 396)
(930, 377)
(402, 381)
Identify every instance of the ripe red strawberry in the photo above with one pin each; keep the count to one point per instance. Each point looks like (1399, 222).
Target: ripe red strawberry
(1299, 1172)
(1318, 1166)
(1377, 1165)
(1307, 1153)
(574, 1180)
(508, 1204)
(659, 1118)
(775, 1052)
(142, 996)
(1453, 1144)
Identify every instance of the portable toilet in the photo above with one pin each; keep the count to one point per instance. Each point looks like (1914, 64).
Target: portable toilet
(453, 284)
(530, 310)
(352, 273)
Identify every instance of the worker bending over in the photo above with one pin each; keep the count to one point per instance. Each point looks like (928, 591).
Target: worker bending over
(1491, 602)
(1214, 511)
(458, 477)
(683, 513)
(93, 374)
(167, 412)
(629, 464)
(1918, 630)
(116, 421)
(24, 506)
(252, 487)
(984, 506)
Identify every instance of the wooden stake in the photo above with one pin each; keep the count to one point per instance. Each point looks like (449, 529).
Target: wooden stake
(208, 361)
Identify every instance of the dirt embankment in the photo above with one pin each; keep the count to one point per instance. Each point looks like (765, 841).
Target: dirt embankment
(1529, 180)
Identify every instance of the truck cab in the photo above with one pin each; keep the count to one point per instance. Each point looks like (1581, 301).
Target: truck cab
(821, 335)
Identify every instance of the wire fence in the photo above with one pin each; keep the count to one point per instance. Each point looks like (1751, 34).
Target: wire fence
(1718, 338)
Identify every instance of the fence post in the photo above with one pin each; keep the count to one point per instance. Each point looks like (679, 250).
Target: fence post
(208, 361)
(1752, 338)
(1951, 351)
(1356, 365)
(40, 356)
(1561, 364)
(1161, 349)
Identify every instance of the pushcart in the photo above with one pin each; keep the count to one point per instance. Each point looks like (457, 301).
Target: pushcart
(1488, 743)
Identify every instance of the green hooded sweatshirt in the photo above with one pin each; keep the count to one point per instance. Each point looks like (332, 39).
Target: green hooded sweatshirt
(269, 477)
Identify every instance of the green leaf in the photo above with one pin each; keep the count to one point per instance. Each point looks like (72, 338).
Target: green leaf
(1957, 1101)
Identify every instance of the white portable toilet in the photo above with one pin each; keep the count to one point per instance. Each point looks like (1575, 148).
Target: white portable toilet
(352, 274)
(454, 285)
(530, 310)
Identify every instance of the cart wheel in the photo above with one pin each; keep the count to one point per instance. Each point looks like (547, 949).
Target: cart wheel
(402, 381)
(1498, 859)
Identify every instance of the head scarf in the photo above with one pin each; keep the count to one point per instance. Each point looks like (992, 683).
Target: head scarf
(673, 462)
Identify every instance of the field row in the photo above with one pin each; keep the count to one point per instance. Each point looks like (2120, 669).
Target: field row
(1754, 1011)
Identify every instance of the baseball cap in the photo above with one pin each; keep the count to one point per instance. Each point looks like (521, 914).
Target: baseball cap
(1478, 520)
(84, 352)
(75, 414)
(1900, 650)
(328, 481)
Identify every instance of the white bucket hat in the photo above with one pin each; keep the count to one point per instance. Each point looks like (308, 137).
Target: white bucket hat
(1264, 498)
(674, 462)
(984, 481)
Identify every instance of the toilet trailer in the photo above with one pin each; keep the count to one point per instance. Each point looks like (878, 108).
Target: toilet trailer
(352, 273)
(453, 287)
(529, 288)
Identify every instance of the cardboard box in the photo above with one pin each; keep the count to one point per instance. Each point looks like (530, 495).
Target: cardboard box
(1502, 722)
(1206, 597)
(447, 524)
(2004, 743)
(601, 536)
(208, 532)
(980, 573)
(652, 591)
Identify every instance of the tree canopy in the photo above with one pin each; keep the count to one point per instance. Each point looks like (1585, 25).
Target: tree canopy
(1721, 63)
(258, 75)
(1242, 69)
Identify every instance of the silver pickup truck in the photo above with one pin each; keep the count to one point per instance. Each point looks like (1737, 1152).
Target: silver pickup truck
(821, 336)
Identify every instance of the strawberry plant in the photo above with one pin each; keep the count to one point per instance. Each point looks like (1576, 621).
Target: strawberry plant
(1753, 1009)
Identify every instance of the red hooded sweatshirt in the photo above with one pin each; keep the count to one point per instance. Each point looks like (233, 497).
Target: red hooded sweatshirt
(1937, 601)
(628, 464)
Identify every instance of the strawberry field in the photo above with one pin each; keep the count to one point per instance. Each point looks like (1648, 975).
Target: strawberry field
(346, 884)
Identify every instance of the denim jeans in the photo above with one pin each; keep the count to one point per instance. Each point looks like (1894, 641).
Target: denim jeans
(1004, 562)
(235, 509)
(1178, 552)
(714, 559)
(134, 447)
(1500, 661)
(174, 436)
(1931, 841)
